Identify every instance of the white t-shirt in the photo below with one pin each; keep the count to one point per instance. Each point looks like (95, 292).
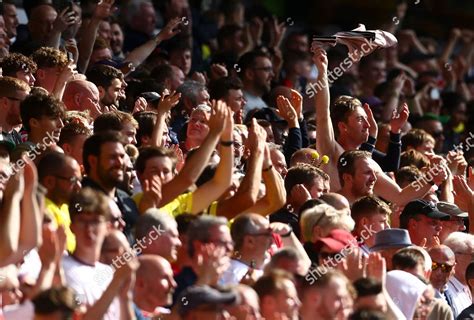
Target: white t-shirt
(234, 274)
(253, 102)
(90, 282)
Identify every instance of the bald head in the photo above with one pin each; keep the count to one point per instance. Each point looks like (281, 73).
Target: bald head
(442, 253)
(82, 95)
(154, 275)
(41, 21)
(152, 265)
(336, 200)
(115, 245)
(304, 155)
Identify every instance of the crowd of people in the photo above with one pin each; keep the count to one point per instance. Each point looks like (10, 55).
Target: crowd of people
(174, 160)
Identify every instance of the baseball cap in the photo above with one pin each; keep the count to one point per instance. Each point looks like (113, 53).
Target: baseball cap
(195, 297)
(151, 96)
(336, 241)
(420, 206)
(451, 209)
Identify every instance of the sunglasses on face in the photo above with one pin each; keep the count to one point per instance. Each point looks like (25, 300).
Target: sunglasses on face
(446, 268)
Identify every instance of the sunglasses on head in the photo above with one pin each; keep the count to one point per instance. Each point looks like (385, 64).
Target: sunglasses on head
(444, 267)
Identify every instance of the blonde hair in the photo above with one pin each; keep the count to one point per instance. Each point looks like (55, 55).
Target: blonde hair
(326, 217)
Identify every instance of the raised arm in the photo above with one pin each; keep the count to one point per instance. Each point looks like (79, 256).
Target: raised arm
(387, 188)
(326, 141)
(213, 189)
(141, 53)
(10, 218)
(164, 107)
(247, 193)
(195, 164)
(102, 11)
(275, 196)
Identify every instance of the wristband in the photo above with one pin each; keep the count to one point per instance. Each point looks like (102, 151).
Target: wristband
(286, 235)
(227, 143)
(268, 168)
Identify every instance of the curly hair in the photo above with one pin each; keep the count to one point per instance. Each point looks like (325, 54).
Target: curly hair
(15, 62)
(46, 57)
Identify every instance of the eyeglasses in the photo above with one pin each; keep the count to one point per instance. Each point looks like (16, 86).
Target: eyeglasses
(446, 268)
(72, 180)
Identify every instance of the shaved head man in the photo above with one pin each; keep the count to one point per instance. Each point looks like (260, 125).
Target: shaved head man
(153, 276)
(82, 95)
(443, 268)
(41, 22)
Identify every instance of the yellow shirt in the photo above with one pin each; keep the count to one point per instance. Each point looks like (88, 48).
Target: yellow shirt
(62, 218)
(182, 204)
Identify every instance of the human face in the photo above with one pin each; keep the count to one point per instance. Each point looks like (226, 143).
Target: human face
(425, 227)
(67, 182)
(435, 128)
(235, 100)
(220, 236)
(111, 164)
(270, 135)
(177, 79)
(337, 301)
(100, 54)
(377, 72)
(116, 38)
(90, 101)
(110, 96)
(299, 43)
(181, 59)
(378, 222)
(357, 127)
(104, 30)
(248, 308)
(263, 74)
(53, 125)
(452, 225)
(364, 178)
(129, 131)
(427, 147)
(262, 238)
(11, 19)
(198, 127)
(425, 304)
(12, 110)
(158, 166)
(287, 300)
(41, 22)
(113, 247)
(163, 285)
(167, 244)
(440, 278)
(27, 76)
(129, 174)
(463, 258)
(47, 77)
(279, 162)
(89, 230)
(318, 188)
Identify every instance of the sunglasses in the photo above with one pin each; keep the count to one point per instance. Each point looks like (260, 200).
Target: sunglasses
(446, 268)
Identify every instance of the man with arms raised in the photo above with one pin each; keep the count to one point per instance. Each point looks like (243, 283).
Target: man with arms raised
(353, 126)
